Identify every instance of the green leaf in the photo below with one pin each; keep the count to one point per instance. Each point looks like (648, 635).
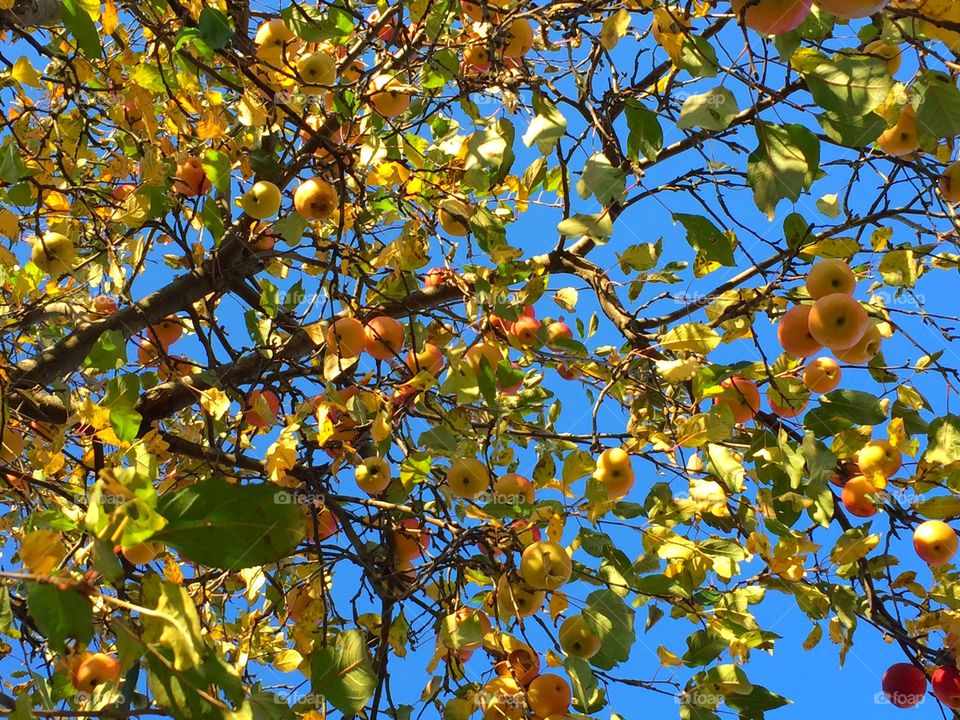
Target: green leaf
(601, 180)
(214, 28)
(847, 85)
(784, 164)
(12, 167)
(939, 508)
(108, 353)
(547, 126)
(698, 57)
(612, 620)
(123, 392)
(597, 227)
(645, 136)
(343, 673)
(587, 695)
(703, 647)
(230, 526)
(78, 23)
(752, 705)
(706, 239)
(939, 110)
(217, 165)
(852, 131)
(174, 623)
(943, 441)
(712, 110)
(60, 614)
(858, 407)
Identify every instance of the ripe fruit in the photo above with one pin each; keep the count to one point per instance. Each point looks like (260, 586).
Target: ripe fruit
(945, 684)
(468, 477)
(273, 38)
(477, 57)
(347, 337)
(502, 699)
(902, 138)
(793, 332)
(315, 199)
(849, 9)
(53, 253)
(476, 12)
(384, 337)
(904, 685)
(787, 397)
(373, 475)
(772, 17)
(96, 669)
(878, 460)
(615, 472)
(492, 353)
(454, 217)
(864, 350)
(558, 331)
(517, 599)
(935, 542)
(518, 38)
(191, 179)
(468, 621)
(263, 406)
(141, 553)
(837, 321)
(166, 332)
(889, 52)
(435, 277)
(410, 540)
(429, 359)
(317, 72)
(262, 200)
(104, 304)
(830, 276)
(513, 488)
(545, 565)
(548, 695)
(524, 331)
(856, 495)
(821, 375)
(577, 638)
(741, 396)
(950, 183)
(388, 97)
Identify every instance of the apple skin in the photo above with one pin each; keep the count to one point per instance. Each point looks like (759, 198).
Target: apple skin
(104, 304)
(837, 321)
(430, 359)
(454, 217)
(903, 138)
(347, 337)
(556, 331)
(502, 699)
(742, 397)
(53, 253)
(515, 485)
(254, 418)
(166, 332)
(327, 525)
(852, 9)
(516, 599)
(190, 179)
(545, 565)
(524, 331)
(315, 199)
(878, 460)
(474, 10)
(577, 638)
(141, 553)
(892, 54)
(772, 17)
(945, 684)
(549, 695)
(476, 58)
(468, 477)
(904, 685)
(950, 183)
(518, 39)
(854, 497)
(262, 201)
(793, 332)
(386, 96)
(821, 375)
(96, 669)
(410, 540)
(865, 349)
(475, 353)
(830, 276)
(935, 542)
(385, 337)
(316, 73)
(373, 475)
(615, 471)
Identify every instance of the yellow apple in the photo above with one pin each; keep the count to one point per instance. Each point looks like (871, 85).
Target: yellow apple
(837, 321)
(275, 41)
(429, 358)
(141, 553)
(830, 276)
(935, 542)
(346, 337)
(857, 497)
(315, 199)
(316, 72)
(517, 599)
(96, 669)
(891, 53)
(468, 477)
(388, 96)
(864, 350)
(878, 460)
(262, 200)
(614, 470)
(545, 565)
(53, 253)
(850, 9)
(578, 639)
(821, 375)
(502, 699)
(373, 475)
(950, 183)
(903, 138)
(454, 217)
(518, 38)
(514, 488)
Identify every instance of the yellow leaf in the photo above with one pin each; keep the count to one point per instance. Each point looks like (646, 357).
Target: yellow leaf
(282, 455)
(325, 427)
(566, 298)
(215, 402)
(41, 551)
(172, 572)
(109, 18)
(555, 527)
(614, 28)
(287, 660)
(558, 604)
(381, 428)
(24, 73)
(251, 112)
(691, 337)
(667, 658)
(9, 225)
(853, 547)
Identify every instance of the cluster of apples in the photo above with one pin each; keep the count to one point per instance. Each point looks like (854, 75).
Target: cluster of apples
(778, 17)
(489, 36)
(875, 464)
(154, 351)
(88, 670)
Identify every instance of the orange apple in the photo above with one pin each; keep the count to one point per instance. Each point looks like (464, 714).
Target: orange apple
(316, 72)
(903, 138)
(326, 527)
(515, 599)
(477, 58)
(821, 375)
(517, 39)
(549, 695)
(830, 276)
(513, 488)
(347, 337)
(480, 11)
(96, 669)
(772, 17)
(104, 304)
(166, 332)
(837, 321)
(502, 699)
(558, 331)
(950, 183)
(191, 179)
(315, 199)
(935, 542)
(741, 396)
(492, 353)
(865, 349)
(793, 332)
(878, 461)
(849, 9)
(429, 358)
(410, 540)
(787, 397)
(388, 96)
(856, 495)
(385, 337)
(524, 331)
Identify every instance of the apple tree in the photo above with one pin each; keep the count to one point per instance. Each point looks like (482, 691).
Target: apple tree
(486, 358)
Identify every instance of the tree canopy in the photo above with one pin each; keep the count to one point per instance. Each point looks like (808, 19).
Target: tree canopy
(424, 358)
